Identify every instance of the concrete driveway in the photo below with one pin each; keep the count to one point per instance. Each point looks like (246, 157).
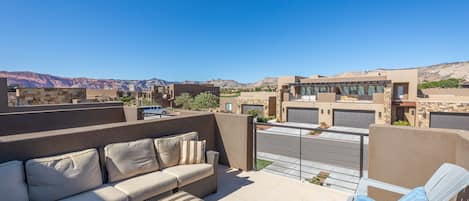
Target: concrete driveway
(326, 135)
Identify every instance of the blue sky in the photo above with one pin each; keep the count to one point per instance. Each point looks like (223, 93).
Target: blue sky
(244, 40)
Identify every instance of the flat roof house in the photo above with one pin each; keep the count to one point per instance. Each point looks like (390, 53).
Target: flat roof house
(353, 100)
(264, 102)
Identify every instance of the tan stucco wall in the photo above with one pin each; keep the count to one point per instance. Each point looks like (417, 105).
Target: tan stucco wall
(326, 97)
(232, 100)
(231, 135)
(266, 99)
(101, 93)
(409, 76)
(407, 156)
(234, 140)
(327, 117)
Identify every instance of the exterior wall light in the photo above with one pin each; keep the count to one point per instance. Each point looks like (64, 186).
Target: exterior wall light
(379, 115)
(322, 111)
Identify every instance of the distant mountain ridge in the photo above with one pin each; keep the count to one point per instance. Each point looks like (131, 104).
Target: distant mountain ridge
(458, 70)
(39, 80)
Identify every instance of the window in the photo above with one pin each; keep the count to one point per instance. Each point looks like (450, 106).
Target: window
(228, 107)
(371, 90)
(308, 91)
(303, 91)
(353, 90)
(380, 89)
(346, 90)
(323, 89)
(361, 90)
(316, 90)
(400, 92)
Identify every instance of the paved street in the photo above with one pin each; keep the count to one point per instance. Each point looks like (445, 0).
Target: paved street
(340, 157)
(335, 152)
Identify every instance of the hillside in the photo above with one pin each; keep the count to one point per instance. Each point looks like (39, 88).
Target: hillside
(39, 80)
(436, 72)
(458, 70)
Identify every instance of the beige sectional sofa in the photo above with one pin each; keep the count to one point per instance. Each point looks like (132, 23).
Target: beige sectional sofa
(146, 169)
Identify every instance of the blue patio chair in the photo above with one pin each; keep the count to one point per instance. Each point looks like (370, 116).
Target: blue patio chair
(445, 184)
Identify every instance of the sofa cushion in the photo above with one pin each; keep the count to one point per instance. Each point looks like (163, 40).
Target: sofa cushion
(103, 193)
(187, 174)
(57, 177)
(13, 186)
(192, 152)
(146, 186)
(124, 160)
(167, 148)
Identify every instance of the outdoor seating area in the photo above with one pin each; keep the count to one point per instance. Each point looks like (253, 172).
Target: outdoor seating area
(137, 170)
(206, 156)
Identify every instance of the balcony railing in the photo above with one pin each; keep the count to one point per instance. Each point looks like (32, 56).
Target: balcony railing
(302, 98)
(331, 157)
(353, 98)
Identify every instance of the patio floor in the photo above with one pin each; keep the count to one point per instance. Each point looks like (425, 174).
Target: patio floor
(234, 185)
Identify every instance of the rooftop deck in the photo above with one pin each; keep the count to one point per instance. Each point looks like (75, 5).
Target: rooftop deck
(262, 186)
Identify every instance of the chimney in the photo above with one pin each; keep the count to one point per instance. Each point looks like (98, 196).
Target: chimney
(3, 95)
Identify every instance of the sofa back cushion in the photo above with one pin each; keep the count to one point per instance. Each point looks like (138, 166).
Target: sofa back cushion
(168, 148)
(57, 177)
(128, 159)
(13, 186)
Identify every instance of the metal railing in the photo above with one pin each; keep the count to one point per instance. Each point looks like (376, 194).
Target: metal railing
(349, 133)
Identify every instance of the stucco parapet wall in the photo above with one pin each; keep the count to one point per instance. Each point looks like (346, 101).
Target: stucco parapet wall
(344, 79)
(71, 131)
(28, 108)
(344, 105)
(260, 95)
(444, 100)
(407, 156)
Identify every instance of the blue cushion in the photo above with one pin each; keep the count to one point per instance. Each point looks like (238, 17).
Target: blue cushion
(417, 194)
(363, 198)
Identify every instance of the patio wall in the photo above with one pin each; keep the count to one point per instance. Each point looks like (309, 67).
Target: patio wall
(408, 156)
(234, 134)
(3, 95)
(33, 119)
(231, 135)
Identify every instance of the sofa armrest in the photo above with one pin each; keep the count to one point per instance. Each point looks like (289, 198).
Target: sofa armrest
(212, 158)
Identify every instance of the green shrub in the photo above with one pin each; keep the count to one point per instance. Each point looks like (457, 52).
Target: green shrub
(264, 119)
(401, 123)
(184, 100)
(255, 113)
(449, 83)
(205, 101)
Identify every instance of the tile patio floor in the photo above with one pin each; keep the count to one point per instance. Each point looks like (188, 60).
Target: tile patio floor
(235, 185)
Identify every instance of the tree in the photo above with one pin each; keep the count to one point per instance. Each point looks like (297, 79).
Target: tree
(205, 100)
(127, 100)
(449, 83)
(185, 100)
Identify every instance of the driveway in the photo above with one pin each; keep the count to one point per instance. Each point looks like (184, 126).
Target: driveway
(325, 135)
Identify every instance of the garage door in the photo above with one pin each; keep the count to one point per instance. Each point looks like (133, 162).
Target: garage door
(245, 108)
(354, 118)
(302, 115)
(449, 120)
